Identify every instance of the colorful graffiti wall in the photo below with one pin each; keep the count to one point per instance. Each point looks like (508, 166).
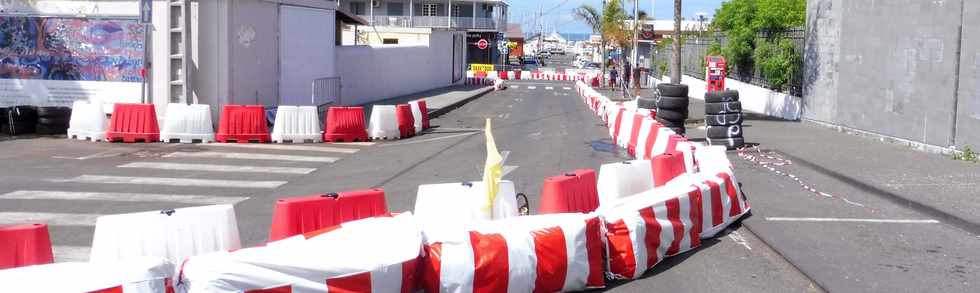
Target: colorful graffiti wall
(80, 49)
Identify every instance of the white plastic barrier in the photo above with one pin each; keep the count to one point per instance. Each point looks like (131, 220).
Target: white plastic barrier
(498, 84)
(663, 138)
(645, 228)
(688, 148)
(369, 255)
(187, 123)
(525, 75)
(722, 200)
(383, 123)
(88, 121)
(626, 128)
(296, 124)
(712, 158)
(171, 234)
(618, 180)
(614, 114)
(543, 253)
(454, 206)
(134, 275)
(641, 144)
(417, 115)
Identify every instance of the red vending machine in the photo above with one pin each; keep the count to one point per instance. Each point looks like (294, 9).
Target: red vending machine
(715, 73)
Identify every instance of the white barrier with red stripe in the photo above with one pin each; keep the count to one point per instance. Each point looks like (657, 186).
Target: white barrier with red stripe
(543, 253)
(133, 275)
(533, 75)
(645, 228)
(370, 255)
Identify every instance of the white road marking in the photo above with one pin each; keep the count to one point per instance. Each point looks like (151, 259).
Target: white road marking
(532, 87)
(737, 237)
(900, 221)
(566, 88)
(251, 156)
(362, 143)
(507, 169)
(429, 139)
(102, 154)
(549, 88)
(173, 181)
(58, 219)
(515, 86)
(123, 197)
(287, 147)
(64, 253)
(218, 168)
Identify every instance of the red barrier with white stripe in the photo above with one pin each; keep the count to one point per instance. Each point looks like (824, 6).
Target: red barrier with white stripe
(369, 255)
(645, 228)
(543, 253)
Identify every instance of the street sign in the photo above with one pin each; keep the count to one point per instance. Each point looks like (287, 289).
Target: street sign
(482, 44)
(146, 11)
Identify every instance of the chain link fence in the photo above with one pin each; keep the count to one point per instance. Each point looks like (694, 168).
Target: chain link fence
(696, 46)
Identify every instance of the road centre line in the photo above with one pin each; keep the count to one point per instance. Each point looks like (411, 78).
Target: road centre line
(122, 197)
(217, 168)
(251, 156)
(98, 179)
(853, 220)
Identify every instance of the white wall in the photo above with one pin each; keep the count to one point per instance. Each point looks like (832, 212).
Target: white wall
(372, 73)
(754, 98)
(306, 52)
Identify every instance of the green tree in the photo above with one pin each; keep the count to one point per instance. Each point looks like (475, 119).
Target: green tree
(593, 18)
(742, 21)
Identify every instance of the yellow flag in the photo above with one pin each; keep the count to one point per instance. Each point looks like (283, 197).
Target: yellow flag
(491, 171)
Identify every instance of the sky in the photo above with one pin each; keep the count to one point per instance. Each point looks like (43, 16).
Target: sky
(561, 18)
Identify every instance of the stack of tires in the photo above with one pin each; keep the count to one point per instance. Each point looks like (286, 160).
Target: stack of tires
(20, 120)
(53, 120)
(723, 116)
(672, 104)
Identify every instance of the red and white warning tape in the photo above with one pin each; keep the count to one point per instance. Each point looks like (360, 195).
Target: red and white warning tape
(770, 160)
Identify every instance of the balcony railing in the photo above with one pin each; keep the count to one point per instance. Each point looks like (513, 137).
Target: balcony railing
(485, 23)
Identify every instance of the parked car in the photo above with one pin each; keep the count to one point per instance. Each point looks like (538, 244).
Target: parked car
(544, 55)
(531, 64)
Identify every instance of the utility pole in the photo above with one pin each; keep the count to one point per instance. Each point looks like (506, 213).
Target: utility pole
(636, 32)
(675, 68)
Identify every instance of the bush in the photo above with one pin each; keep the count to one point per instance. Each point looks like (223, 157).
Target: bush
(778, 61)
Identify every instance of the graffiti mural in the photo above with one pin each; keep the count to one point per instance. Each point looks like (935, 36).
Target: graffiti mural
(48, 48)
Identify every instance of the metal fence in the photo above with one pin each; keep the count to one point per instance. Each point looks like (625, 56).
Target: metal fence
(695, 47)
(326, 93)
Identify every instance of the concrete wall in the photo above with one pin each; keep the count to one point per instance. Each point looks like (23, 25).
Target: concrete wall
(372, 73)
(913, 79)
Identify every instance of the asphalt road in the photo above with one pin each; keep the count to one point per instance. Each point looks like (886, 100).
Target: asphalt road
(794, 241)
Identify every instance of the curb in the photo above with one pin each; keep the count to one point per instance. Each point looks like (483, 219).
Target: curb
(439, 112)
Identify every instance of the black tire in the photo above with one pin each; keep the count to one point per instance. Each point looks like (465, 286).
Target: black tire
(53, 112)
(730, 143)
(679, 130)
(53, 121)
(21, 128)
(672, 90)
(730, 131)
(669, 102)
(646, 103)
(723, 108)
(723, 119)
(672, 115)
(670, 123)
(721, 96)
(23, 114)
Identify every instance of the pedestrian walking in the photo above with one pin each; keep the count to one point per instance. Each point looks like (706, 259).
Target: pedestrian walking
(613, 74)
(627, 74)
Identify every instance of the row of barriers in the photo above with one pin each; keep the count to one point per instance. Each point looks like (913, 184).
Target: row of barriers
(591, 228)
(530, 75)
(244, 123)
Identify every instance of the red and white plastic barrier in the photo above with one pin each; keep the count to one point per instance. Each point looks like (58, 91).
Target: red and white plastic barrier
(133, 275)
(643, 229)
(543, 253)
(370, 255)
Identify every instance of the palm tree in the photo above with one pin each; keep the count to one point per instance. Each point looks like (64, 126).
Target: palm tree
(593, 18)
(675, 68)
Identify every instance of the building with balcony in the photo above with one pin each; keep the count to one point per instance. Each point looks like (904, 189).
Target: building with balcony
(411, 21)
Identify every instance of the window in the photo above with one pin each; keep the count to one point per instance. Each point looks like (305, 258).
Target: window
(395, 9)
(357, 8)
(430, 9)
(456, 10)
(389, 41)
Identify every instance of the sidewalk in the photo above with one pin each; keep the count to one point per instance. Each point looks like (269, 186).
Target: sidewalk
(932, 184)
(437, 101)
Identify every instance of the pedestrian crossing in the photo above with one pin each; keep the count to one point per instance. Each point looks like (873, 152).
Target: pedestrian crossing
(216, 174)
